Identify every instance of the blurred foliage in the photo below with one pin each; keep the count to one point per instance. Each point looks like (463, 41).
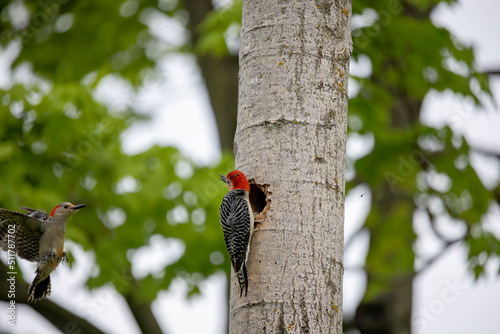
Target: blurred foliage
(410, 57)
(68, 41)
(214, 28)
(59, 144)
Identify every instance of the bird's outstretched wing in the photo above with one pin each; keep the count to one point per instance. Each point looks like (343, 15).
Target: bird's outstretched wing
(20, 233)
(39, 214)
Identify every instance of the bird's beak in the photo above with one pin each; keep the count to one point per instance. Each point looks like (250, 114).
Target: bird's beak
(79, 206)
(222, 178)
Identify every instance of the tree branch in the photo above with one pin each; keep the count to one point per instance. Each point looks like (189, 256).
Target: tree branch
(349, 242)
(434, 227)
(141, 309)
(484, 151)
(355, 268)
(492, 72)
(437, 256)
(61, 318)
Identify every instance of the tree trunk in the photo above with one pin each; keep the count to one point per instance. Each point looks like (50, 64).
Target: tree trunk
(290, 138)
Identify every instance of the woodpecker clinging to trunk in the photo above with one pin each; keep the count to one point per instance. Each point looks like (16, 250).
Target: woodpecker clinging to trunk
(37, 237)
(236, 219)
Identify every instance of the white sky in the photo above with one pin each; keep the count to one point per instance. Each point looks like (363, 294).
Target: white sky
(445, 299)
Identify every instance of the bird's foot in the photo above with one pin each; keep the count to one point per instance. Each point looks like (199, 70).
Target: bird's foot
(64, 258)
(53, 257)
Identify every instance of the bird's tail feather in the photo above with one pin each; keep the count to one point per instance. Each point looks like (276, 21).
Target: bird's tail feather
(39, 290)
(243, 279)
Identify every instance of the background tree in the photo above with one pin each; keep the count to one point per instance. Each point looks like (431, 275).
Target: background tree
(411, 57)
(294, 65)
(218, 66)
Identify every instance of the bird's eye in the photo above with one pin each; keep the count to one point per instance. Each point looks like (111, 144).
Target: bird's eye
(65, 206)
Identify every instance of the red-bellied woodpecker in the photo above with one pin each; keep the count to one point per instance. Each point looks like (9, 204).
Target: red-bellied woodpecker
(37, 237)
(236, 219)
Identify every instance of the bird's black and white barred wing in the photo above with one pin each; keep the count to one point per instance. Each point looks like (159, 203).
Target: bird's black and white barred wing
(235, 222)
(39, 214)
(21, 232)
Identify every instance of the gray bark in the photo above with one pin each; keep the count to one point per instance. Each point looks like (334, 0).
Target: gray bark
(290, 138)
